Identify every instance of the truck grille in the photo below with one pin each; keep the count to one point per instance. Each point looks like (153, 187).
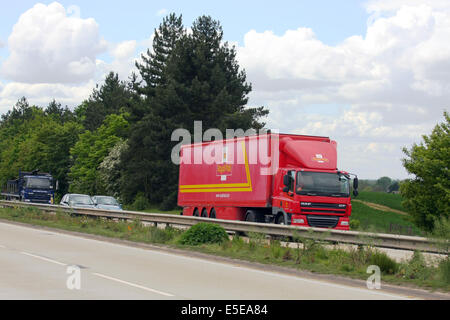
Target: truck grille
(322, 221)
(326, 208)
(341, 206)
(40, 198)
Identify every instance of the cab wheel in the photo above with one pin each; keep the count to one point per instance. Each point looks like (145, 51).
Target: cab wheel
(280, 219)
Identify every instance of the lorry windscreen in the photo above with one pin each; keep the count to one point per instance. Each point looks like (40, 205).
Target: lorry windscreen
(38, 183)
(322, 184)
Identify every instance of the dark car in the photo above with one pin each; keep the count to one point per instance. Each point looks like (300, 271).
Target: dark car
(106, 203)
(77, 200)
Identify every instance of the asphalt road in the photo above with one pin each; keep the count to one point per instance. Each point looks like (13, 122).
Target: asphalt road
(34, 265)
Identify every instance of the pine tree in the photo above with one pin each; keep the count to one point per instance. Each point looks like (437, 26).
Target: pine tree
(113, 97)
(153, 63)
(197, 79)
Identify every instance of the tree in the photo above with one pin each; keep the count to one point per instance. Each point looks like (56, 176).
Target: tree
(21, 111)
(196, 77)
(394, 186)
(34, 139)
(152, 68)
(109, 170)
(91, 149)
(427, 196)
(383, 183)
(57, 112)
(113, 97)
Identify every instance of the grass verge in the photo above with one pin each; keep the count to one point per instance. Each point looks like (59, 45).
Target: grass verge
(311, 256)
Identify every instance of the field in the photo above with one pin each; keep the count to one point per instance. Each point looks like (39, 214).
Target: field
(374, 220)
(390, 200)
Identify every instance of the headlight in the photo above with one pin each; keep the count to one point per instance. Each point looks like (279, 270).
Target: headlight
(344, 223)
(301, 221)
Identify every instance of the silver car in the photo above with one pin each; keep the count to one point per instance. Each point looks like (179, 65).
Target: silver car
(106, 203)
(77, 200)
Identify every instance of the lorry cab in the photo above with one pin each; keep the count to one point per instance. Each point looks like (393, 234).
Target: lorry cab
(37, 188)
(315, 198)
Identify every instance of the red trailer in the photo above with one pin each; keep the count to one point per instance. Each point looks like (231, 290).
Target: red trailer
(278, 178)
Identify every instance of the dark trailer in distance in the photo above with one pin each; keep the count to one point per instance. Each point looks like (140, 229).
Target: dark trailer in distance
(31, 186)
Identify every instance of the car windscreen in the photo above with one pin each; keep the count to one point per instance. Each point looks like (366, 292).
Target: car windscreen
(80, 200)
(322, 184)
(38, 183)
(110, 201)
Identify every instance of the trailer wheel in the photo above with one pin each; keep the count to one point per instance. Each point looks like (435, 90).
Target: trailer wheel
(195, 212)
(212, 214)
(204, 213)
(253, 216)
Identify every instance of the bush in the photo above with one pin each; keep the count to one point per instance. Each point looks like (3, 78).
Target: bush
(354, 224)
(444, 270)
(170, 202)
(140, 202)
(158, 235)
(386, 264)
(416, 268)
(203, 233)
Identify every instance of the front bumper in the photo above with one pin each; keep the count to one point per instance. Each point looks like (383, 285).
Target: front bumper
(321, 221)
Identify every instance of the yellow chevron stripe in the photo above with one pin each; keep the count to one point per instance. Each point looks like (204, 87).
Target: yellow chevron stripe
(223, 187)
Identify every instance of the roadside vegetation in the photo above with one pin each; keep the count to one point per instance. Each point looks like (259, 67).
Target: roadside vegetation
(208, 238)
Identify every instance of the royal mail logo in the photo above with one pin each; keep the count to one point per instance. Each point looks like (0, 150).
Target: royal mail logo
(224, 169)
(319, 158)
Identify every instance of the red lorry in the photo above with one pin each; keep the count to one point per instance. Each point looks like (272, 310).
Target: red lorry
(274, 178)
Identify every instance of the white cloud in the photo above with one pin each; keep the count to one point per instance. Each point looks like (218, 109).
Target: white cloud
(42, 93)
(47, 46)
(124, 57)
(391, 85)
(161, 12)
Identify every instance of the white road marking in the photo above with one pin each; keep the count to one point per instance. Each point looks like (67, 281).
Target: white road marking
(134, 285)
(43, 258)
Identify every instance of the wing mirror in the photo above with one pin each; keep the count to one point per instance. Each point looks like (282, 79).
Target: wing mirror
(355, 186)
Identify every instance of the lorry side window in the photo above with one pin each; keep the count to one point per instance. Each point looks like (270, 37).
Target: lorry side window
(292, 175)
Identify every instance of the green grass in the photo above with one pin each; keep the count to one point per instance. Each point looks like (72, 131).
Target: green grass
(390, 200)
(312, 256)
(383, 221)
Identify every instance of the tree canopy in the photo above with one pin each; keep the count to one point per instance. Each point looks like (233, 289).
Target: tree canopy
(427, 195)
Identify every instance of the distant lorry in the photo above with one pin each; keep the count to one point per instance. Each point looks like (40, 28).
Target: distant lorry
(34, 186)
(296, 183)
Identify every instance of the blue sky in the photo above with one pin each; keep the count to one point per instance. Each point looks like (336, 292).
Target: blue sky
(332, 21)
(373, 75)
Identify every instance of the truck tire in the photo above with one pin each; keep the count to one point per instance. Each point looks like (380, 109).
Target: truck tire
(204, 213)
(212, 214)
(195, 212)
(253, 216)
(280, 219)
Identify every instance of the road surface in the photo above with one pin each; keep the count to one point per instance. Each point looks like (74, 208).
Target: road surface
(34, 264)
